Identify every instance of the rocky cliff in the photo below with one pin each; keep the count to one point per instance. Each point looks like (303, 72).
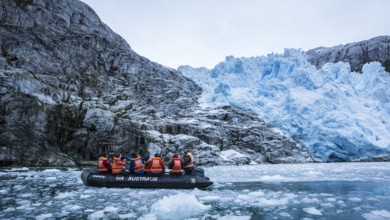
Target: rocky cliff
(357, 54)
(70, 89)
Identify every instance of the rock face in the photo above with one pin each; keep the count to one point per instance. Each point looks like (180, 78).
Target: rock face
(357, 54)
(70, 89)
(218, 129)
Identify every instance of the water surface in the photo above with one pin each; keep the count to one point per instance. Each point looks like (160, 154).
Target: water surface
(293, 191)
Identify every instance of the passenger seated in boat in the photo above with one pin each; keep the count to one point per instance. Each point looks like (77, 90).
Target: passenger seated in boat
(136, 164)
(104, 165)
(155, 165)
(188, 163)
(118, 164)
(176, 165)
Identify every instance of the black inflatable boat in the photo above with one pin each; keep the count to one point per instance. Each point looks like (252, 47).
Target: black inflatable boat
(91, 177)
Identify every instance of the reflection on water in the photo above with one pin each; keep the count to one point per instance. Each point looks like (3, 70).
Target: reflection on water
(54, 193)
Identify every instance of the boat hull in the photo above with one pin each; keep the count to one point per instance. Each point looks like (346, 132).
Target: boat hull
(93, 178)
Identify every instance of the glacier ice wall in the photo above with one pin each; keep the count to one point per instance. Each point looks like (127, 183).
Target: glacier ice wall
(338, 115)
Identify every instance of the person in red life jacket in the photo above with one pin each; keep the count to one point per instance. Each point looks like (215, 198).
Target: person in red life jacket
(188, 163)
(136, 164)
(104, 165)
(176, 165)
(118, 164)
(156, 165)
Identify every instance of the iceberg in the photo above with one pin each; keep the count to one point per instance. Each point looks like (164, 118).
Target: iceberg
(337, 114)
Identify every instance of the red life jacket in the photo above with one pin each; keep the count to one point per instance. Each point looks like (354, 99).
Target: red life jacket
(176, 166)
(116, 168)
(155, 166)
(101, 168)
(139, 166)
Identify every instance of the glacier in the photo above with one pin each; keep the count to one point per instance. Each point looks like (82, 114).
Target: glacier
(336, 114)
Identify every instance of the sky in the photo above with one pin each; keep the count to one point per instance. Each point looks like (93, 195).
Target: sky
(201, 33)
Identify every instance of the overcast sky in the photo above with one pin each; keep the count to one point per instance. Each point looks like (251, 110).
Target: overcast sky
(203, 32)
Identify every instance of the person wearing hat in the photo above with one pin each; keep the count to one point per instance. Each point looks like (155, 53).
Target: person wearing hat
(155, 165)
(188, 163)
(176, 165)
(136, 164)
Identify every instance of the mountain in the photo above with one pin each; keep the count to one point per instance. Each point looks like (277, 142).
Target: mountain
(336, 114)
(356, 54)
(71, 89)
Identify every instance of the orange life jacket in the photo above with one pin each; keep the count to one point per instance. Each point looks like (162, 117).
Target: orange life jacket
(155, 166)
(191, 163)
(101, 168)
(139, 166)
(116, 168)
(176, 166)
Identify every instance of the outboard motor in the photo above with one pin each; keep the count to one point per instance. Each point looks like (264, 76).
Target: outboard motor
(197, 171)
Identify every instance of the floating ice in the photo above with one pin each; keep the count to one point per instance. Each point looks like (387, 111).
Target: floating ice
(313, 211)
(181, 204)
(377, 215)
(44, 216)
(300, 191)
(229, 217)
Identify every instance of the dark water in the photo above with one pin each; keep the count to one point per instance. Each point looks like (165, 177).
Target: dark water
(285, 192)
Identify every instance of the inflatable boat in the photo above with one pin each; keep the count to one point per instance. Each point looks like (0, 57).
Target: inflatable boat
(91, 177)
